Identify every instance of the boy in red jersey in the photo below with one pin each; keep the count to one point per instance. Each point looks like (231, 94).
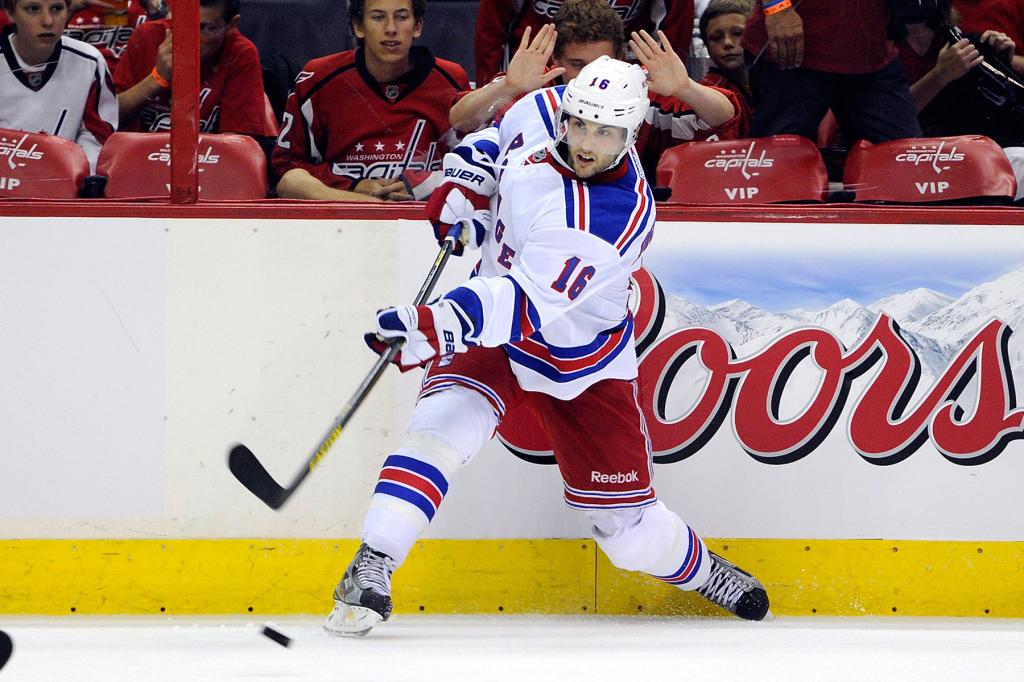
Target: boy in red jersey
(369, 124)
(721, 28)
(231, 96)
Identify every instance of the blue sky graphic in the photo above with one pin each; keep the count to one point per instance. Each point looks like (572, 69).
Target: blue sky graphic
(706, 273)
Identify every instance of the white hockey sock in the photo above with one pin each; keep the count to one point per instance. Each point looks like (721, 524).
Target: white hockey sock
(653, 540)
(446, 431)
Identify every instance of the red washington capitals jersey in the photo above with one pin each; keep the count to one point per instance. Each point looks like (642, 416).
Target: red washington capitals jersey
(231, 96)
(500, 25)
(107, 31)
(342, 126)
(72, 97)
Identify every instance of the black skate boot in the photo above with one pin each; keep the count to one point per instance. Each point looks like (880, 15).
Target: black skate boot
(735, 590)
(363, 597)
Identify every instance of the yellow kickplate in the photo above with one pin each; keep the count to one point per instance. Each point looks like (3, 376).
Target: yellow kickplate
(282, 576)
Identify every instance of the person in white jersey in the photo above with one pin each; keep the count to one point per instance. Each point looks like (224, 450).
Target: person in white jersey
(563, 214)
(51, 83)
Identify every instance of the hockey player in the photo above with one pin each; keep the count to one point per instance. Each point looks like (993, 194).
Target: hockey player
(369, 124)
(51, 83)
(546, 323)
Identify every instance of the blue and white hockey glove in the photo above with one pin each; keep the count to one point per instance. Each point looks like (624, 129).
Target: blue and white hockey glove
(428, 331)
(452, 203)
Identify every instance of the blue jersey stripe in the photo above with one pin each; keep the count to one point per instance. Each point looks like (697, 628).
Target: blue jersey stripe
(547, 371)
(570, 203)
(542, 107)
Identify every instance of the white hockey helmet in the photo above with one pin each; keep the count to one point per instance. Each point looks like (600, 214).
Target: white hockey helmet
(609, 92)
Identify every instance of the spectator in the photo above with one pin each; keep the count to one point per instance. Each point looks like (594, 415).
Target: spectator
(1004, 16)
(369, 124)
(107, 25)
(721, 29)
(583, 30)
(828, 55)
(231, 98)
(945, 76)
(587, 29)
(51, 83)
(500, 25)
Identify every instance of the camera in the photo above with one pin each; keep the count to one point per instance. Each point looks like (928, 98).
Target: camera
(1000, 91)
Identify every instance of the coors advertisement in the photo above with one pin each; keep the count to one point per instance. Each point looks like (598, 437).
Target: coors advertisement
(873, 342)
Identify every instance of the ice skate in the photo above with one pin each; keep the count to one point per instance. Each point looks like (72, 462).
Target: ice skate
(735, 590)
(363, 597)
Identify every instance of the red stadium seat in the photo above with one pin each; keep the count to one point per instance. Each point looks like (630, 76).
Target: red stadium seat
(40, 166)
(138, 165)
(963, 169)
(763, 170)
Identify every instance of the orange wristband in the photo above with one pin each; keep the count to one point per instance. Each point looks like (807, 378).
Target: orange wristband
(777, 7)
(164, 83)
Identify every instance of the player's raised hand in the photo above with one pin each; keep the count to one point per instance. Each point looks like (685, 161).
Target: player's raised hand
(528, 69)
(666, 73)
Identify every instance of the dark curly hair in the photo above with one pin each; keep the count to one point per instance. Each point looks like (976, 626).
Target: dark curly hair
(588, 21)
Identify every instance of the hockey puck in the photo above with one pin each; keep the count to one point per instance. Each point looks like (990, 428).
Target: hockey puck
(6, 647)
(283, 640)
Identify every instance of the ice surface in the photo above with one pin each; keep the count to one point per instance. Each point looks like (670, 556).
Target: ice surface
(521, 648)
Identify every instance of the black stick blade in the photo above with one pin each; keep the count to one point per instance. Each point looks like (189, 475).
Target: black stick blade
(250, 473)
(6, 647)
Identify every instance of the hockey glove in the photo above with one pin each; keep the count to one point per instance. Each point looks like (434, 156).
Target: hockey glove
(450, 204)
(427, 330)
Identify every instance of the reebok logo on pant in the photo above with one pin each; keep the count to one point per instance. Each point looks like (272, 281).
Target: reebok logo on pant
(598, 477)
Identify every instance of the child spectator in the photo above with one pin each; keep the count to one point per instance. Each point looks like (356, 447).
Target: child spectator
(500, 25)
(231, 98)
(721, 29)
(369, 124)
(51, 83)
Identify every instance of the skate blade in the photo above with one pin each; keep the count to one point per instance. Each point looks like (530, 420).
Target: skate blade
(350, 621)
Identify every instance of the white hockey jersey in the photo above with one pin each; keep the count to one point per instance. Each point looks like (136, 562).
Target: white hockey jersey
(71, 97)
(553, 282)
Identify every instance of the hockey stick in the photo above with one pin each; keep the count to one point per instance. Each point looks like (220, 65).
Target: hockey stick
(6, 648)
(248, 470)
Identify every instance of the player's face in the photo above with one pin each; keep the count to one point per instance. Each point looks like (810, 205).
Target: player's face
(387, 30)
(724, 34)
(577, 55)
(40, 24)
(592, 146)
(213, 29)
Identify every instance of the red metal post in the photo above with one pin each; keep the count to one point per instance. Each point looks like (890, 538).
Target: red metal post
(185, 102)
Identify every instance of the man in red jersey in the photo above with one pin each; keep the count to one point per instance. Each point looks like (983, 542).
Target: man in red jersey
(369, 124)
(500, 25)
(812, 55)
(231, 96)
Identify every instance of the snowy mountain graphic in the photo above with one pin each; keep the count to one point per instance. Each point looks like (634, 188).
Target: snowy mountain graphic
(935, 325)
